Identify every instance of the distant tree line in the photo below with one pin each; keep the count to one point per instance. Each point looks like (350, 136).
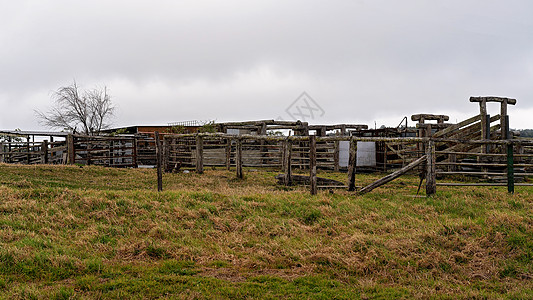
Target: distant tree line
(526, 132)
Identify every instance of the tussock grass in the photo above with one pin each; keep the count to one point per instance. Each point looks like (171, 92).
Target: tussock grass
(91, 232)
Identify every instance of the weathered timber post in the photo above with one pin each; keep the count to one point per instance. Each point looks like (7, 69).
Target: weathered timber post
(228, 154)
(44, 152)
(158, 154)
(352, 165)
(287, 153)
(71, 156)
(504, 122)
(166, 153)
(199, 154)
(510, 158)
(431, 176)
(1, 152)
(238, 159)
(312, 164)
(134, 159)
(336, 157)
(111, 153)
(28, 155)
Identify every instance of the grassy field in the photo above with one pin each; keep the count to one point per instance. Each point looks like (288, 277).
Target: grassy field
(91, 232)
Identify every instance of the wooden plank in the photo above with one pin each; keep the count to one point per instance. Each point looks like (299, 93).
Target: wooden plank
(392, 176)
(493, 99)
(457, 126)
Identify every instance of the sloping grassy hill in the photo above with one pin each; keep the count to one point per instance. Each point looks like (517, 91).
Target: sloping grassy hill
(92, 232)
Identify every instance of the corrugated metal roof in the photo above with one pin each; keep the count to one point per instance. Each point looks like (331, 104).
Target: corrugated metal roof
(31, 132)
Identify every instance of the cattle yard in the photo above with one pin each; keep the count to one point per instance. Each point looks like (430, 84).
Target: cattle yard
(481, 147)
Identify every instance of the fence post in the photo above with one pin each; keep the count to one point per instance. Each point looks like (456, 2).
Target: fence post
(287, 153)
(1, 152)
(44, 152)
(166, 153)
(71, 153)
(199, 154)
(431, 176)
(352, 165)
(336, 156)
(28, 155)
(158, 155)
(238, 159)
(134, 160)
(312, 164)
(228, 154)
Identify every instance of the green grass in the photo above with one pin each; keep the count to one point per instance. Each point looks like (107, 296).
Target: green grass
(69, 232)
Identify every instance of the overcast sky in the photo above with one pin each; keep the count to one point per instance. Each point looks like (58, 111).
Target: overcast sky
(361, 61)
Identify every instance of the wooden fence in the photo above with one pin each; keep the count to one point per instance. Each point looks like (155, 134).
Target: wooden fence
(449, 152)
(440, 156)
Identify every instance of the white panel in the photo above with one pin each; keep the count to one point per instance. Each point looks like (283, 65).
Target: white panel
(344, 153)
(366, 154)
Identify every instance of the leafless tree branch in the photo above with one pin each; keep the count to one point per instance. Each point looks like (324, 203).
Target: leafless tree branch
(87, 111)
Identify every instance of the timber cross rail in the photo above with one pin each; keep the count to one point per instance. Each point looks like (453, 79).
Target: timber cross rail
(435, 156)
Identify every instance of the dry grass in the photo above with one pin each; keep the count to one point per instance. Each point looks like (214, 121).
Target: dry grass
(97, 232)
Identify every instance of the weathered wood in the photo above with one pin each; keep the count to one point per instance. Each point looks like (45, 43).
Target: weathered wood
(431, 177)
(312, 164)
(352, 166)
(199, 154)
(166, 154)
(2, 158)
(493, 99)
(457, 126)
(28, 155)
(71, 156)
(44, 151)
(336, 156)
(503, 123)
(423, 117)
(238, 159)
(158, 152)
(228, 154)
(287, 161)
(392, 176)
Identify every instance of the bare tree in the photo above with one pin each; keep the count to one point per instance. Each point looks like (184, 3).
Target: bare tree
(87, 111)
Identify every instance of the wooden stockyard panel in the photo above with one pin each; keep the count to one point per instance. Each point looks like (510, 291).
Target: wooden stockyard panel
(109, 152)
(33, 152)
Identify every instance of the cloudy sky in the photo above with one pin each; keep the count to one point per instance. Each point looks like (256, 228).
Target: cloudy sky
(362, 61)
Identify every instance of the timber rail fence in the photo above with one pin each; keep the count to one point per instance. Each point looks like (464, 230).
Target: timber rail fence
(496, 162)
